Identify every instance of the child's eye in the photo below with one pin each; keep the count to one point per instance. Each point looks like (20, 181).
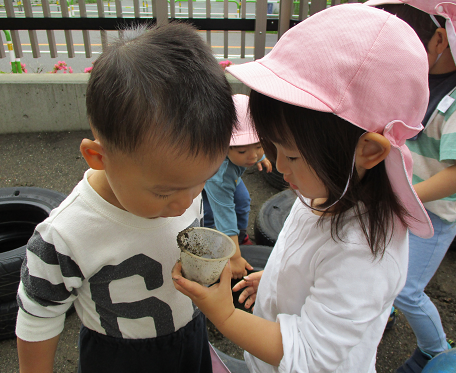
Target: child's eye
(161, 196)
(242, 152)
(292, 159)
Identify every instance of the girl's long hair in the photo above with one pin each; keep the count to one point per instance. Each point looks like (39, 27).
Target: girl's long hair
(328, 143)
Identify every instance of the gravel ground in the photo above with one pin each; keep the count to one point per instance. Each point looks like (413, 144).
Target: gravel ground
(53, 161)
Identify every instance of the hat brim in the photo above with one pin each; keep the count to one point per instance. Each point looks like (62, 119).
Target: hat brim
(382, 2)
(244, 139)
(261, 79)
(419, 222)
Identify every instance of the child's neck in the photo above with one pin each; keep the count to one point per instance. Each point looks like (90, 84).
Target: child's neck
(100, 184)
(317, 202)
(444, 65)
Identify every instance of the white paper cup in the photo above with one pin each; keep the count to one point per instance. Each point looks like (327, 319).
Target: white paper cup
(204, 253)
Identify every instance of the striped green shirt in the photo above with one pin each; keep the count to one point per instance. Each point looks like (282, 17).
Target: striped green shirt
(432, 152)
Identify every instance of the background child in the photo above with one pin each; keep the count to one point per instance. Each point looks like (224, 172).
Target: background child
(226, 199)
(434, 171)
(326, 98)
(110, 246)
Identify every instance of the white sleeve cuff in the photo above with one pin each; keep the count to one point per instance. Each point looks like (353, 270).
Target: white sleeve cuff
(36, 329)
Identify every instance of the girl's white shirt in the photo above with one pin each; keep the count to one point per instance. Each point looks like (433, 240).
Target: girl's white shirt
(332, 299)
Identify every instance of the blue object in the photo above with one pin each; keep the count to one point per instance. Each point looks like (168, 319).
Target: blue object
(445, 362)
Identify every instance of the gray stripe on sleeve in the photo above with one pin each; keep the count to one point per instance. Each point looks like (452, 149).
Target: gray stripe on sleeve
(41, 290)
(48, 254)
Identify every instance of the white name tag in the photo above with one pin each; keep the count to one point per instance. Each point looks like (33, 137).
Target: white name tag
(446, 102)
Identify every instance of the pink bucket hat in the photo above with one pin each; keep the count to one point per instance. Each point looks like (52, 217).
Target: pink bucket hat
(245, 134)
(365, 66)
(446, 9)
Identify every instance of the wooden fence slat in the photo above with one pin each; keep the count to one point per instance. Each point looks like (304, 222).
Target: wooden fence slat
(161, 11)
(85, 33)
(304, 9)
(285, 16)
(14, 33)
(119, 13)
(68, 34)
(50, 33)
(137, 8)
(243, 15)
(208, 15)
(32, 33)
(317, 5)
(103, 33)
(260, 28)
(190, 8)
(2, 49)
(172, 8)
(225, 33)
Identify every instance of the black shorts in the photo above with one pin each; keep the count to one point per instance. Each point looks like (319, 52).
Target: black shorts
(186, 350)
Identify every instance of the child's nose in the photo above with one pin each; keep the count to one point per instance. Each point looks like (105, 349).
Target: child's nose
(182, 203)
(253, 155)
(186, 198)
(280, 163)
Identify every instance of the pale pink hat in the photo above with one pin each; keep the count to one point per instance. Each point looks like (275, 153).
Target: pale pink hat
(446, 9)
(245, 134)
(364, 65)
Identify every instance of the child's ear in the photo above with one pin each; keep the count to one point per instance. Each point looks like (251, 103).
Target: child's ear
(438, 42)
(372, 148)
(93, 153)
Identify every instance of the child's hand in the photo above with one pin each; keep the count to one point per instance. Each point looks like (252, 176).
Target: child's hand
(216, 301)
(265, 163)
(239, 267)
(250, 283)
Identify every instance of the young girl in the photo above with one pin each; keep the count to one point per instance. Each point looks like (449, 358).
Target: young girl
(225, 196)
(336, 101)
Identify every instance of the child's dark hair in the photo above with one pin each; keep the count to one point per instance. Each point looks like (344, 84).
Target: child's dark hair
(161, 84)
(420, 21)
(327, 143)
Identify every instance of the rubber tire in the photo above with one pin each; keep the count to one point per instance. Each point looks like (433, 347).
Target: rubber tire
(21, 209)
(8, 315)
(271, 217)
(256, 255)
(275, 179)
(452, 246)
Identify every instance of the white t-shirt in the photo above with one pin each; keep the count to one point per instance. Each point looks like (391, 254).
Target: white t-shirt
(332, 299)
(115, 267)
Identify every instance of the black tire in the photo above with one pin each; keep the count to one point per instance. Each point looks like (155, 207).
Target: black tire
(453, 245)
(257, 256)
(8, 315)
(21, 209)
(271, 217)
(275, 179)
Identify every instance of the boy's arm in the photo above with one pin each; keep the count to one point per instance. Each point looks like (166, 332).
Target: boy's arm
(37, 357)
(441, 185)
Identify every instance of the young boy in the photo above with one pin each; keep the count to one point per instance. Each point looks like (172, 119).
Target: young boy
(226, 199)
(434, 171)
(162, 115)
